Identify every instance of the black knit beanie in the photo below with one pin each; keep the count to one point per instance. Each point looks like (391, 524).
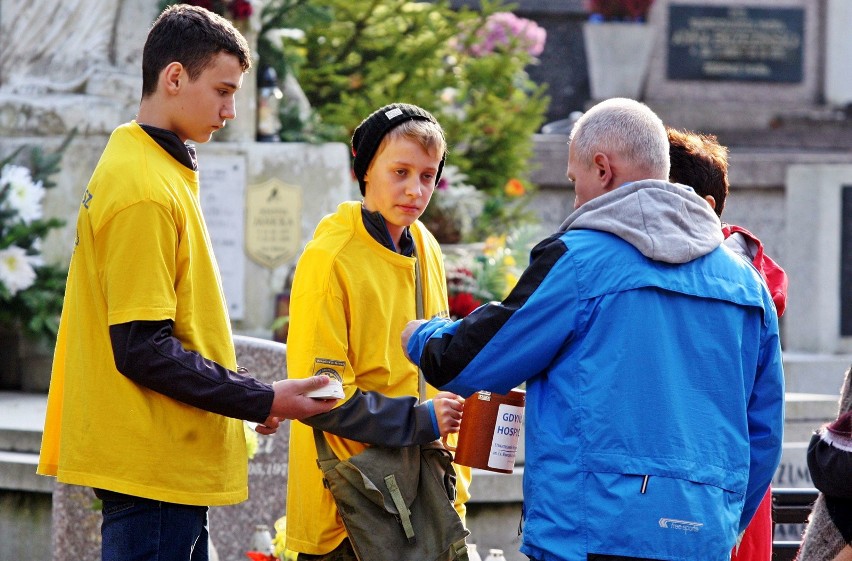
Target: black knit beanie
(371, 131)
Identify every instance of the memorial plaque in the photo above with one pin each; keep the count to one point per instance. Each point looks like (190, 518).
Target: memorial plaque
(223, 187)
(273, 227)
(846, 262)
(735, 43)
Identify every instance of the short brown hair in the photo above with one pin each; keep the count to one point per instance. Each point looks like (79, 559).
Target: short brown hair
(698, 160)
(192, 36)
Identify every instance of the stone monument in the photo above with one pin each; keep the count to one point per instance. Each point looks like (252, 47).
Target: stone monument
(724, 64)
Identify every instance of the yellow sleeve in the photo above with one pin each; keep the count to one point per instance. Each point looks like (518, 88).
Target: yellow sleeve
(137, 263)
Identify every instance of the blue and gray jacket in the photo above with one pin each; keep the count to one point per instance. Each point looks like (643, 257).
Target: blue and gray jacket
(655, 390)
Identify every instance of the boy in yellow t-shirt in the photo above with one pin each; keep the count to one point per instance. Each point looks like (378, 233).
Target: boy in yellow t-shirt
(145, 403)
(353, 291)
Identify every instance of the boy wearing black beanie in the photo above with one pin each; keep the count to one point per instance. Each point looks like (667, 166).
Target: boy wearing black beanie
(371, 267)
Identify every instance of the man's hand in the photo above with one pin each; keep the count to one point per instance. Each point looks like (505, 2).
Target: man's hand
(409, 330)
(448, 410)
(290, 401)
(269, 426)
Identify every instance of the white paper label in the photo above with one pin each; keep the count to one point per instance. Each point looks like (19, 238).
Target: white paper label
(504, 442)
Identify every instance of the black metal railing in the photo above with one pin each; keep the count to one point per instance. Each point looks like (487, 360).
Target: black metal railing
(790, 506)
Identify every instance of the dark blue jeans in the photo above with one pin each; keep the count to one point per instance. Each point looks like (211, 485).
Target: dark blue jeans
(144, 530)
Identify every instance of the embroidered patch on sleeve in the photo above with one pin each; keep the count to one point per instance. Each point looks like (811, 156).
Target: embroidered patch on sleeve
(331, 368)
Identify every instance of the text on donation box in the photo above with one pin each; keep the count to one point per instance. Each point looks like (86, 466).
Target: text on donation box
(735, 43)
(223, 187)
(507, 431)
(273, 222)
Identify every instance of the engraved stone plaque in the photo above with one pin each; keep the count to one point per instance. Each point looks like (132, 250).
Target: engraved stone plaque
(735, 43)
(273, 222)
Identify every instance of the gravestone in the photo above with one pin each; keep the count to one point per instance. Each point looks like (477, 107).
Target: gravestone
(819, 250)
(76, 518)
(231, 527)
(838, 45)
(728, 65)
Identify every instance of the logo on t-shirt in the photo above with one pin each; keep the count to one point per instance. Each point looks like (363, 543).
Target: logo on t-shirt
(331, 368)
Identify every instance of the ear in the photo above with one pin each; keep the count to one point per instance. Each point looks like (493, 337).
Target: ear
(603, 169)
(173, 77)
(710, 201)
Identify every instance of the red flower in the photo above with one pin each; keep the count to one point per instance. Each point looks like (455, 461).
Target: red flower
(258, 556)
(462, 304)
(240, 9)
(610, 10)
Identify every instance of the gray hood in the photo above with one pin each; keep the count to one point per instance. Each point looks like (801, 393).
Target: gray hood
(665, 221)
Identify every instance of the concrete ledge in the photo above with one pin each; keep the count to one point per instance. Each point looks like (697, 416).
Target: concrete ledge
(815, 373)
(749, 167)
(18, 472)
(493, 487)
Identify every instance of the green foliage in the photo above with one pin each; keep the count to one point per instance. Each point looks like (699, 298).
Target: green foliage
(354, 57)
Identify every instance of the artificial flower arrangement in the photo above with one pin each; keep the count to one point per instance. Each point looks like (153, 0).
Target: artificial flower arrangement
(618, 10)
(31, 291)
(486, 272)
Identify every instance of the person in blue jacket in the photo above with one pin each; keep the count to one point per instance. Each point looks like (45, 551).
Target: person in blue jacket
(651, 357)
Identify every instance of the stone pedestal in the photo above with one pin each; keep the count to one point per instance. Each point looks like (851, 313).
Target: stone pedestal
(231, 527)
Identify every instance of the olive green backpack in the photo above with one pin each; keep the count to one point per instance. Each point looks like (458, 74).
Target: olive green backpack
(396, 503)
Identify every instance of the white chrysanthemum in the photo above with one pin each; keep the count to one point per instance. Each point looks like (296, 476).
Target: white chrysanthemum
(24, 195)
(17, 269)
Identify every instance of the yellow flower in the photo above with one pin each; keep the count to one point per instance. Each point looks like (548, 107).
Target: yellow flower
(494, 245)
(514, 188)
(279, 549)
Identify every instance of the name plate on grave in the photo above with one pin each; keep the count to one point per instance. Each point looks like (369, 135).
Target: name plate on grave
(735, 43)
(223, 187)
(273, 222)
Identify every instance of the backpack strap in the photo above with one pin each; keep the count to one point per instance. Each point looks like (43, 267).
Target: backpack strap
(418, 288)
(459, 551)
(326, 459)
(399, 502)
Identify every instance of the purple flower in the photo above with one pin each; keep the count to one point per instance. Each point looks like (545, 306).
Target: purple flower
(506, 31)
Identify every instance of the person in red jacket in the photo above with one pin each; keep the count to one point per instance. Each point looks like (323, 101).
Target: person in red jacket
(701, 162)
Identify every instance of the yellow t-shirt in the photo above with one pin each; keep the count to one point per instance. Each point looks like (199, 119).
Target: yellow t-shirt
(350, 302)
(142, 252)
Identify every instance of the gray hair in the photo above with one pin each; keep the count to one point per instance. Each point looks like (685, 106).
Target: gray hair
(626, 127)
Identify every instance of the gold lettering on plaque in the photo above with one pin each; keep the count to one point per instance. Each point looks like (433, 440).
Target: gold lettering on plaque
(273, 222)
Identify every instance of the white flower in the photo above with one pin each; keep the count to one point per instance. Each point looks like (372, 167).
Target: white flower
(17, 269)
(24, 195)
(279, 35)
